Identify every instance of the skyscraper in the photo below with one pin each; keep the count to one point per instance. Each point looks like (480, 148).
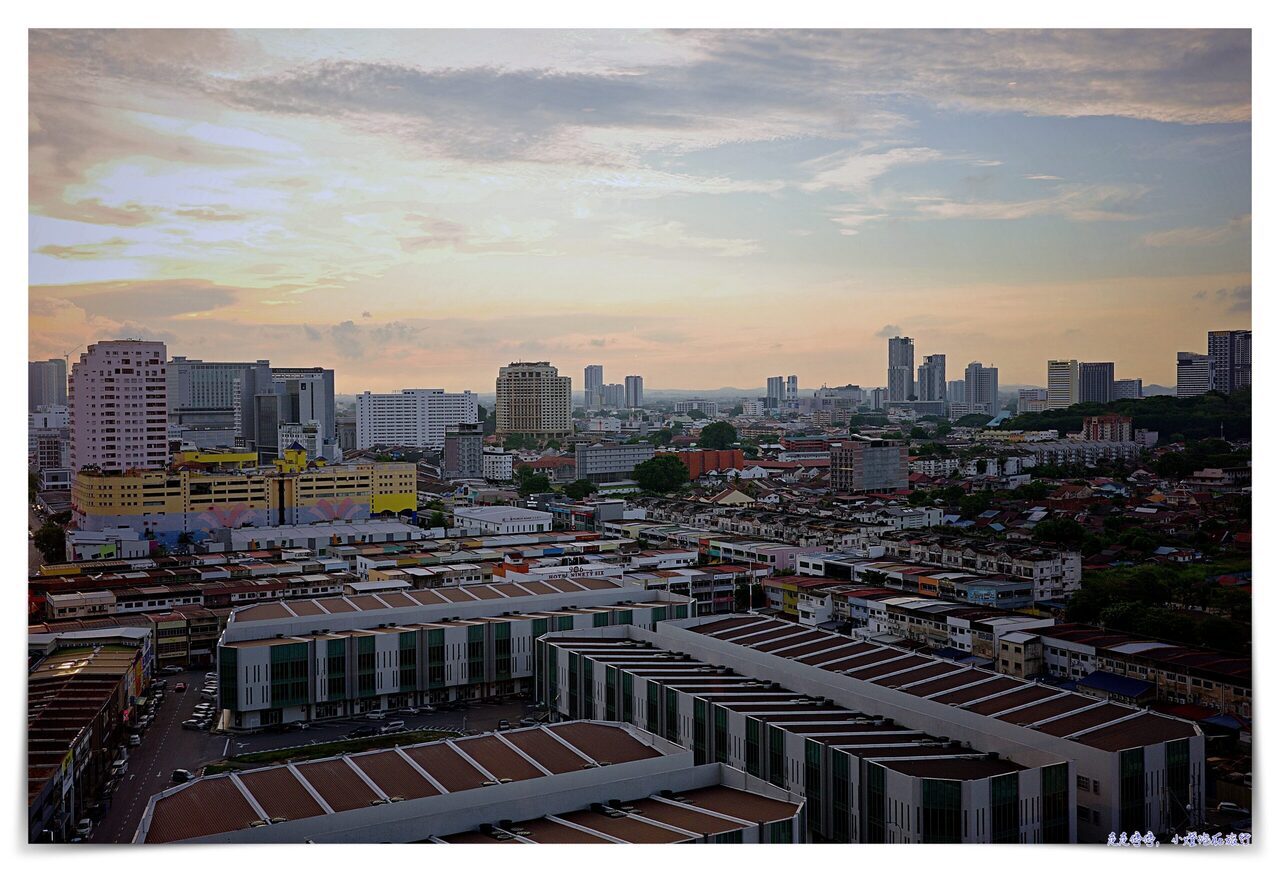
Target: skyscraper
(46, 383)
(1232, 353)
(775, 391)
(634, 391)
(1195, 374)
(533, 398)
(793, 389)
(1097, 382)
(1128, 389)
(592, 382)
(932, 378)
(902, 364)
(1032, 400)
(419, 417)
(982, 388)
(955, 391)
(119, 416)
(1064, 383)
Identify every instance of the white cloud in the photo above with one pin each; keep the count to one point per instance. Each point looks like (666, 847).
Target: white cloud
(856, 170)
(1198, 236)
(674, 234)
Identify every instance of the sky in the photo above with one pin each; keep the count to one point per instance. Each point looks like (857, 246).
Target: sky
(704, 208)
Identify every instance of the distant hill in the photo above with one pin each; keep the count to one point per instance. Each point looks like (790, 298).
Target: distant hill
(1206, 416)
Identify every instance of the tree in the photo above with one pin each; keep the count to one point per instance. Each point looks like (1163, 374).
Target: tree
(737, 410)
(973, 505)
(973, 421)
(580, 489)
(718, 436)
(437, 519)
(661, 437)
(51, 541)
(662, 474)
(1060, 531)
(530, 482)
(697, 415)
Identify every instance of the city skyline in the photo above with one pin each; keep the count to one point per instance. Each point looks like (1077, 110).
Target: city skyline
(420, 208)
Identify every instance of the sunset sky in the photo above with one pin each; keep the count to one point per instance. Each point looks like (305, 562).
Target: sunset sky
(417, 208)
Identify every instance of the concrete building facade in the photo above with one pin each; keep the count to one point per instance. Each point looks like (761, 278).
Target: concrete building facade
(533, 398)
(118, 407)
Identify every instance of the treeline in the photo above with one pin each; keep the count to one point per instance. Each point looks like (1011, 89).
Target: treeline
(1183, 604)
(1202, 417)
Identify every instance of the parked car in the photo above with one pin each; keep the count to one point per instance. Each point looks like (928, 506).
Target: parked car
(528, 722)
(428, 709)
(135, 740)
(504, 724)
(411, 710)
(1231, 808)
(181, 775)
(190, 724)
(377, 716)
(211, 675)
(172, 670)
(84, 828)
(361, 732)
(392, 726)
(180, 687)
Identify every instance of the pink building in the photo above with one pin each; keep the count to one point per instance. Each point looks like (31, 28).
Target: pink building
(119, 406)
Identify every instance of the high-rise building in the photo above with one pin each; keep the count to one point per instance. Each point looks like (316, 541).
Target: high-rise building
(955, 391)
(902, 365)
(1107, 428)
(1032, 400)
(415, 416)
(879, 398)
(614, 396)
(1097, 382)
(592, 386)
(633, 391)
(266, 397)
(982, 388)
(534, 398)
(1195, 374)
(775, 392)
(1127, 389)
(860, 464)
(932, 379)
(1232, 353)
(119, 407)
(1064, 383)
(463, 455)
(793, 389)
(46, 383)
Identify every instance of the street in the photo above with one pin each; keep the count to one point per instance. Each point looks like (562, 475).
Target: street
(165, 747)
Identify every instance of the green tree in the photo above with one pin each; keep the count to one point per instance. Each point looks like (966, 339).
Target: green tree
(662, 474)
(51, 541)
(1060, 531)
(437, 519)
(580, 489)
(529, 482)
(718, 436)
(975, 504)
(697, 415)
(660, 437)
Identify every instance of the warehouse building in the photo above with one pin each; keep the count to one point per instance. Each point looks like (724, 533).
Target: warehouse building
(1081, 767)
(299, 660)
(577, 783)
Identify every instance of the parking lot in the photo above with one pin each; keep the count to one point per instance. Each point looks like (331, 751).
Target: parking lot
(477, 717)
(165, 747)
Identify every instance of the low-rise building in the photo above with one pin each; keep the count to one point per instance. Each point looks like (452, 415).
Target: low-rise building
(500, 520)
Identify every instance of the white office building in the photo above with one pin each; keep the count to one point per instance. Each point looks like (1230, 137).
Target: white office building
(118, 407)
(1064, 383)
(418, 417)
(1195, 373)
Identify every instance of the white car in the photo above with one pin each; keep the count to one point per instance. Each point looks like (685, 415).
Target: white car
(84, 828)
(377, 716)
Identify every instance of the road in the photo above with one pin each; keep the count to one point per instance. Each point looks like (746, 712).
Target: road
(165, 747)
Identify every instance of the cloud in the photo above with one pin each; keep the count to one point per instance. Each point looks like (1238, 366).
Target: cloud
(1072, 202)
(89, 251)
(1042, 177)
(1238, 299)
(888, 331)
(856, 170)
(356, 342)
(675, 235)
(1198, 236)
(158, 299)
(366, 314)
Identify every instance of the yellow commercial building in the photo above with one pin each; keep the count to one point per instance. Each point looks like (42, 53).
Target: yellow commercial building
(194, 500)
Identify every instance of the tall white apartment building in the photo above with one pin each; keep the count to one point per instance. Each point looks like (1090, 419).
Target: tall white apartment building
(593, 386)
(46, 383)
(793, 389)
(902, 365)
(774, 391)
(1195, 374)
(982, 388)
(1064, 383)
(534, 398)
(416, 416)
(119, 407)
(634, 391)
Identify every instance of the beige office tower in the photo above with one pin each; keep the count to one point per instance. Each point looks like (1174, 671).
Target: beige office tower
(534, 398)
(1064, 383)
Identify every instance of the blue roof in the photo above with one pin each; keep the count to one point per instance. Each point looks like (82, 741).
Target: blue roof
(1121, 685)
